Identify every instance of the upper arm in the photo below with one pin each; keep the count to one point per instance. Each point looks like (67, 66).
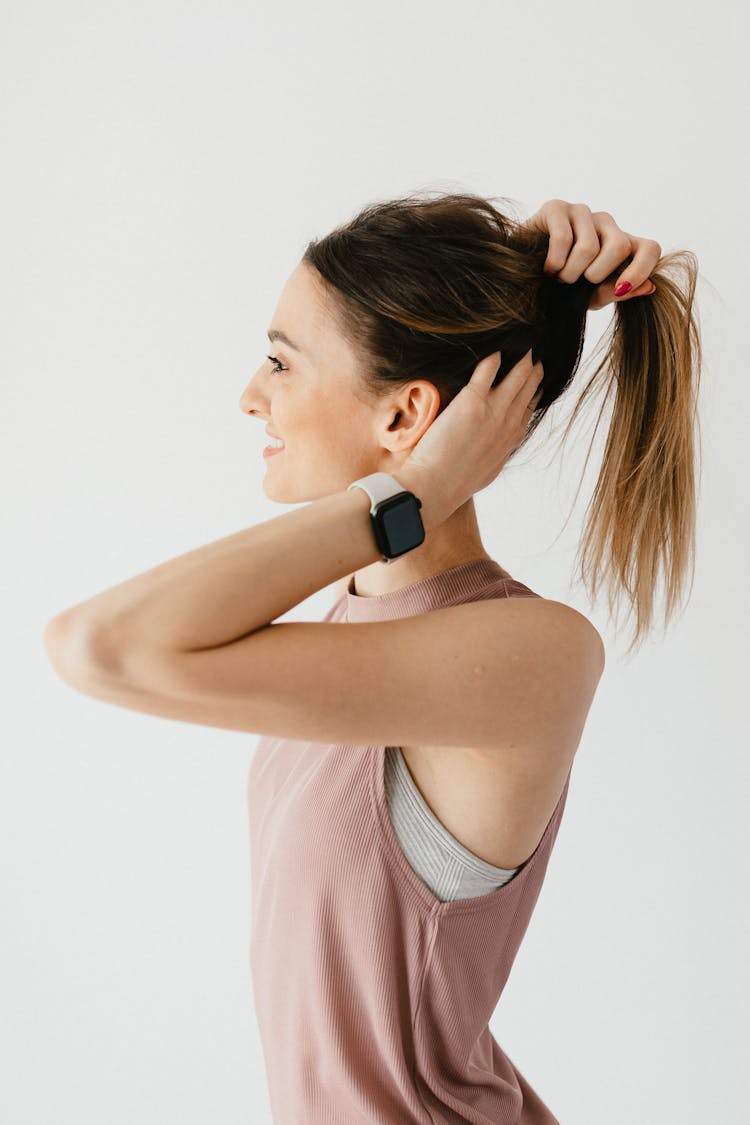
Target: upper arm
(494, 674)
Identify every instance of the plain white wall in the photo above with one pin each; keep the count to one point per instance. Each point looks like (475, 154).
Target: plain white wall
(163, 166)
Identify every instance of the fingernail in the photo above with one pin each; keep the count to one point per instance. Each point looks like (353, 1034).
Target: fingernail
(623, 288)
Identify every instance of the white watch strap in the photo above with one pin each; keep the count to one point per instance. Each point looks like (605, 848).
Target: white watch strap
(379, 487)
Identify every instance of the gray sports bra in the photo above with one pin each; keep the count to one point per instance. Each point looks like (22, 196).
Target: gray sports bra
(449, 869)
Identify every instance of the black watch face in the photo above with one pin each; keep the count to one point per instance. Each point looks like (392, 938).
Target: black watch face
(402, 525)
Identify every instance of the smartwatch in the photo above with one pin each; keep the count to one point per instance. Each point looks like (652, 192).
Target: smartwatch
(395, 516)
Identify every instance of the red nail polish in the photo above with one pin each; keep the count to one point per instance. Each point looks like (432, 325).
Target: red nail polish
(623, 288)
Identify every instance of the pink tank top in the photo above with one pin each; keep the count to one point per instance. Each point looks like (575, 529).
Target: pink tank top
(373, 997)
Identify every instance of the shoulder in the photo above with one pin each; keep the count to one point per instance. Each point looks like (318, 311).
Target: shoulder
(546, 636)
(546, 661)
(540, 622)
(550, 659)
(582, 633)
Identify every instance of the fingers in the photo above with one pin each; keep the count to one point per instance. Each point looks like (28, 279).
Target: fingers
(483, 375)
(516, 391)
(553, 217)
(586, 247)
(615, 247)
(646, 256)
(582, 242)
(573, 225)
(523, 390)
(515, 398)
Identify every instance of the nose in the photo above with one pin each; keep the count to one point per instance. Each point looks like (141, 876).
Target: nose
(253, 398)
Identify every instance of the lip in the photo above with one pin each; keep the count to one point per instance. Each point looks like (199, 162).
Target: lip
(272, 434)
(271, 449)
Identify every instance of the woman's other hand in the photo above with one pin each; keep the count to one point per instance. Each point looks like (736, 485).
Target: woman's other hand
(467, 445)
(588, 242)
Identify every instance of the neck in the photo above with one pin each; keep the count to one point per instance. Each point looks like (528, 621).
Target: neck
(453, 543)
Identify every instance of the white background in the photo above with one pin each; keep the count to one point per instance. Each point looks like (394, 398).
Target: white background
(163, 166)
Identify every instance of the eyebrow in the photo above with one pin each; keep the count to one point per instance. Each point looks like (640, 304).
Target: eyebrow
(277, 334)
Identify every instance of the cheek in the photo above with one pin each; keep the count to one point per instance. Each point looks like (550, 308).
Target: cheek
(329, 428)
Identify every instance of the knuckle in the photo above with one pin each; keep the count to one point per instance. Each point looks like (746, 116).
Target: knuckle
(649, 244)
(563, 240)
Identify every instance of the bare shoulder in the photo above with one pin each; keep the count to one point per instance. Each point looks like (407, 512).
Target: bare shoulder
(497, 801)
(563, 653)
(548, 630)
(581, 628)
(569, 651)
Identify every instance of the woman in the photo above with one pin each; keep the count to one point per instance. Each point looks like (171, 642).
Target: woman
(417, 744)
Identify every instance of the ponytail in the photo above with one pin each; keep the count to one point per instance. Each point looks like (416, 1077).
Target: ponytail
(425, 288)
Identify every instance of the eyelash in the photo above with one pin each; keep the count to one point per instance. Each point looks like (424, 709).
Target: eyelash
(279, 369)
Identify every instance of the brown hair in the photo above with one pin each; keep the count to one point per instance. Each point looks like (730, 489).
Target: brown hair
(423, 288)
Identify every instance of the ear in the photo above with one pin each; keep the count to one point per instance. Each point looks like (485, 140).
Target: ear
(410, 413)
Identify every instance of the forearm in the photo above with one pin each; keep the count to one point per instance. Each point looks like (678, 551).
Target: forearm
(222, 591)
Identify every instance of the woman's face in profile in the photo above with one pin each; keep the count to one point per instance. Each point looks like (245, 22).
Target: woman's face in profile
(308, 400)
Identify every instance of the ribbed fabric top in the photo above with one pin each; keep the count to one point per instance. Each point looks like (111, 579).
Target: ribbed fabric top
(373, 997)
(448, 868)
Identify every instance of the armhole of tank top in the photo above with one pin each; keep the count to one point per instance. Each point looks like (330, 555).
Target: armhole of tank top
(429, 835)
(408, 877)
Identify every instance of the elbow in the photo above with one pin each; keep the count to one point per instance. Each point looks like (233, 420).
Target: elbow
(72, 648)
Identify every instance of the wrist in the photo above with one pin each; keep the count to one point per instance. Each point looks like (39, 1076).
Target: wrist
(433, 510)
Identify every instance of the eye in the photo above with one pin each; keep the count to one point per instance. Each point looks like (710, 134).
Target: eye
(279, 365)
